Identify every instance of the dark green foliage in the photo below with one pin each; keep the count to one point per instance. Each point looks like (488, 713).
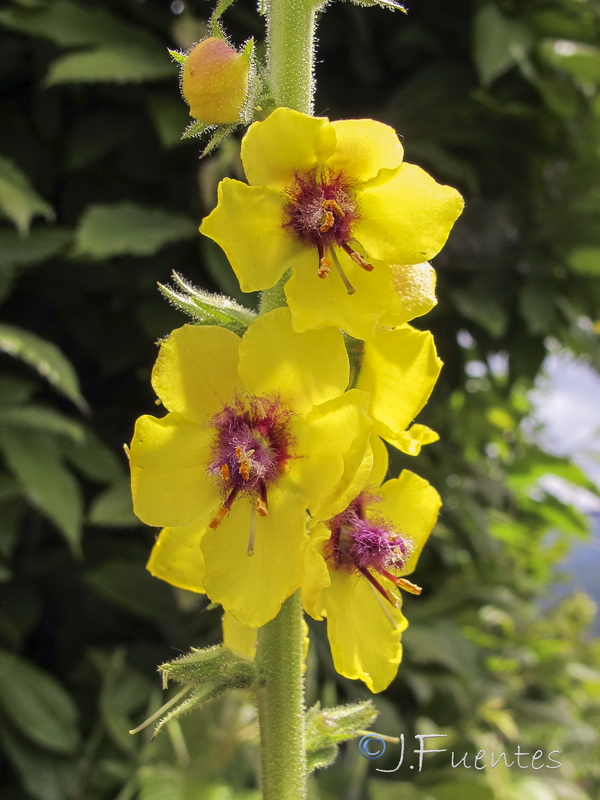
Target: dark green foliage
(99, 201)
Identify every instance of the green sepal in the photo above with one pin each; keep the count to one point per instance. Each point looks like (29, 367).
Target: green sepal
(222, 132)
(391, 5)
(217, 668)
(195, 128)
(248, 50)
(206, 308)
(321, 758)
(178, 56)
(327, 727)
(196, 698)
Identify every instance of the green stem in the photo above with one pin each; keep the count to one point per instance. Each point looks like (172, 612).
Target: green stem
(280, 659)
(280, 654)
(291, 54)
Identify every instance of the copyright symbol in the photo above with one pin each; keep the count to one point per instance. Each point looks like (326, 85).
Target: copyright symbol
(371, 746)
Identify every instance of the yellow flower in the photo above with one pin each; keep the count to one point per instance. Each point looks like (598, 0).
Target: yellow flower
(399, 369)
(259, 431)
(353, 564)
(333, 197)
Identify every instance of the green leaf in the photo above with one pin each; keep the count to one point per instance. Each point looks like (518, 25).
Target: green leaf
(45, 358)
(15, 390)
(115, 64)
(94, 459)
(74, 25)
(585, 261)
(40, 245)
(130, 587)
(536, 306)
(481, 307)
(40, 418)
(124, 691)
(18, 199)
(499, 43)
(35, 461)
(11, 512)
(114, 508)
(128, 229)
(37, 705)
(582, 61)
(169, 116)
(44, 776)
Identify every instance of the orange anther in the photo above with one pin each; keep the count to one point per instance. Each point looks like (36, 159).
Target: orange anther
(245, 469)
(402, 583)
(225, 472)
(327, 223)
(332, 205)
(324, 267)
(358, 259)
(261, 508)
(218, 518)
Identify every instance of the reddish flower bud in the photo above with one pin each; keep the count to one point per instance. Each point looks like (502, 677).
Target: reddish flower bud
(215, 82)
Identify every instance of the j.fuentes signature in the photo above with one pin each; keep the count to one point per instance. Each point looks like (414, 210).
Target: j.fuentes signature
(373, 746)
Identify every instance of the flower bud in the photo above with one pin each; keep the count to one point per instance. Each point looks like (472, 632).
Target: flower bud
(215, 82)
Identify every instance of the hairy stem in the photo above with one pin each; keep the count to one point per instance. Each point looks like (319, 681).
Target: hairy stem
(281, 704)
(291, 54)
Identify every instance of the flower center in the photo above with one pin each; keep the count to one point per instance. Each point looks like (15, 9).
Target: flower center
(321, 211)
(369, 545)
(251, 448)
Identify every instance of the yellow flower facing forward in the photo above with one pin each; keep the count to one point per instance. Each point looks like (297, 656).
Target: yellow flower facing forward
(354, 564)
(259, 431)
(334, 202)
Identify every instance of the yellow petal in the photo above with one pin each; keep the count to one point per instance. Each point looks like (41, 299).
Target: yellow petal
(196, 370)
(399, 370)
(412, 505)
(305, 369)
(364, 146)
(170, 484)
(286, 143)
(252, 588)
(406, 216)
(380, 461)
(334, 458)
(239, 638)
(316, 573)
(177, 559)
(363, 634)
(411, 440)
(413, 294)
(247, 224)
(321, 302)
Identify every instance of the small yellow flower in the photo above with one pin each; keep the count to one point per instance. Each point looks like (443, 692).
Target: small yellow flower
(259, 430)
(335, 203)
(355, 561)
